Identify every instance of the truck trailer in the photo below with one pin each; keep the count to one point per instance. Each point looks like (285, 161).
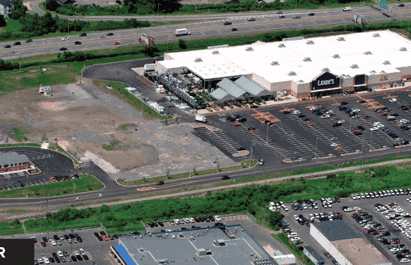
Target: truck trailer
(201, 118)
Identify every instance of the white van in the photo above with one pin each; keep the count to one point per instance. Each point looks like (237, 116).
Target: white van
(347, 9)
(183, 31)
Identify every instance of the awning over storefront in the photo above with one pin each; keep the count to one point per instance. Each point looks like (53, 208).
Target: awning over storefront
(327, 89)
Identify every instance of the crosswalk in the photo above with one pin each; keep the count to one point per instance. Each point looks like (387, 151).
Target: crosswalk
(13, 175)
(40, 157)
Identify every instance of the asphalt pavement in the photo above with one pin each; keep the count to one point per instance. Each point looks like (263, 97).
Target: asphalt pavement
(265, 22)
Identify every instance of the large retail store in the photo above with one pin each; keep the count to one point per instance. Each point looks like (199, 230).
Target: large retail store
(301, 68)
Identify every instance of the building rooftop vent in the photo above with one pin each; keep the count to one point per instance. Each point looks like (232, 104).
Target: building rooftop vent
(281, 45)
(292, 73)
(336, 56)
(326, 69)
(386, 62)
(373, 72)
(354, 66)
(382, 72)
(197, 60)
(300, 81)
(368, 53)
(307, 59)
(216, 52)
(274, 63)
(341, 39)
(376, 35)
(249, 49)
(310, 42)
(403, 49)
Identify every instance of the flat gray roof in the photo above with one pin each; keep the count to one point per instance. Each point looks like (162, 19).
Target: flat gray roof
(11, 158)
(228, 86)
(182, 247)
(314, 253)
(337, 230)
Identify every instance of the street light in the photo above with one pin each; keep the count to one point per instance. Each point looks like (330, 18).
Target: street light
(316, 140)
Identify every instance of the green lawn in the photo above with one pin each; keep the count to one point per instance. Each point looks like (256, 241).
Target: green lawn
(86, 183)
(11, 228)
(245, 164)
(19, 134)
(21, 144)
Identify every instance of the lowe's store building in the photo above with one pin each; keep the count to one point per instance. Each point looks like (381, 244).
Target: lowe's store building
(301, 68)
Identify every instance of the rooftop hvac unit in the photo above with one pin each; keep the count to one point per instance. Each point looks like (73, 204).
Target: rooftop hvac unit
(292, 73)
(197, 60)
(382, 72)
(341, 39)
(386, 62)
(310, 42)
(326, 69)
(307, 59)
(376, 35)
(354, 66)
(281, 45)
(215, 52)
(300, 81)
(274, 63)
(373, 72)
(249, 49)
(367, 53)
(336, 56)
(403, 49)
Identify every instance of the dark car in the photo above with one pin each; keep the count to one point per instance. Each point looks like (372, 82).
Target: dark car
(360, 127)
(242, 119)
(83, 34)
(287, 112)
(240, 148)
(29, 40)
(207, 219)
(401, 5)
(73, 258)
(229, 118)
(344, 103)
(103, 233)
(306, 119)
(211, 218)
(85, 257)
(96, 234)
(282, 16)
(311, 14)
(337, 124)
(328, 255)
(43, 244)
(7, 46)
(228, 23)
(234, 29)
(77, 42)
(16, 43)
(250, 19)
(56, 237)
(63, 49)
(79, 258)
(45, 239)
(335, 262)
(20, 184)
(296, 16)
(80, 240)
(110, 34)
(279, 12)
(301, 116)
(225, 177)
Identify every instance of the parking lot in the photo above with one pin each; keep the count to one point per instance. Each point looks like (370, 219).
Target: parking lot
(376, 220)
(97, 251)
(50, 163)
(316, 131)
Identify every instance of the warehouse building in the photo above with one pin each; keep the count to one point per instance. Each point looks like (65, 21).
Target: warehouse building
(12, 161)
(346, 245)
(228, 245)
(302, 67)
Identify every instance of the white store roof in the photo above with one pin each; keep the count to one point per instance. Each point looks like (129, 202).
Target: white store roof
(242, 60)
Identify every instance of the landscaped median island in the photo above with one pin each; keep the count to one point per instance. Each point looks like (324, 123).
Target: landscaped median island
(244, 164)
(85, 183)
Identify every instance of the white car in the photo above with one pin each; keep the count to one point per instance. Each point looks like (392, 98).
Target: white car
(296, 112)
(334, 144)
(65, 38)
(40, 261)
(168, 230)
(46, 260)
(76, 253)
(392, 100)
(192, 220)
(325, 116)
(374, 129)
(404, 121)
(217, 218)
(60, 253)
(347, 8)
(53, 242)
(82, 251)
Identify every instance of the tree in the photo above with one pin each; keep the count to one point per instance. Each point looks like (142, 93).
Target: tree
(2, 21)
(19, 10)
(52, 5)
(274, 219)
(182, 44)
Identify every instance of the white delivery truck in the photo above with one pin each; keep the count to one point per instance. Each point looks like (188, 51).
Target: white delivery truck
(201, 118)
(183, 31)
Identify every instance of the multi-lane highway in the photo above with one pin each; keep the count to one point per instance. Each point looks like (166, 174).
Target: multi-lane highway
(205, 29)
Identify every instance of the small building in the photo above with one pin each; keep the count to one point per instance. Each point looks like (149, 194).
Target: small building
(313, 255)
(346, 245)
(6, 8)
(11, 161)
(46, 90)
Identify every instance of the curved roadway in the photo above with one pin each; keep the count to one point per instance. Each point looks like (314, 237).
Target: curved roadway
(115, 191)
(268, 21)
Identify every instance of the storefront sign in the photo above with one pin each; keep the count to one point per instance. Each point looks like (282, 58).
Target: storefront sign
(324, 81)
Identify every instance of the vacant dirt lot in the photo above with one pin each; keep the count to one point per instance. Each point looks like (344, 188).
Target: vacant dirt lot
(101, 127)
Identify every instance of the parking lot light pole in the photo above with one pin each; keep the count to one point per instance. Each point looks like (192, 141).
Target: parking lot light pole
(316, 141)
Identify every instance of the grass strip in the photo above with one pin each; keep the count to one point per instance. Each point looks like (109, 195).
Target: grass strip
(20, 144)
(293, 248)
(85, 183)
(11, 228)
(19, 134)
(244, 164)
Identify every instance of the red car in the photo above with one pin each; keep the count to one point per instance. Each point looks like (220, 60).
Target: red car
(116, 43)
(52, 179)
(106, 238)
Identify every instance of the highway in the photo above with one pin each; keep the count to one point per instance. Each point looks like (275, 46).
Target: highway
(268, 21)
(115, 191)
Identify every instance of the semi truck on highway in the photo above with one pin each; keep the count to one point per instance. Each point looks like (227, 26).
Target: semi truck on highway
(183, 31)
(201, 118)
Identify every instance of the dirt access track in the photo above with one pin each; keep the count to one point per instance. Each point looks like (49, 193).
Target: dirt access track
(85, 119)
